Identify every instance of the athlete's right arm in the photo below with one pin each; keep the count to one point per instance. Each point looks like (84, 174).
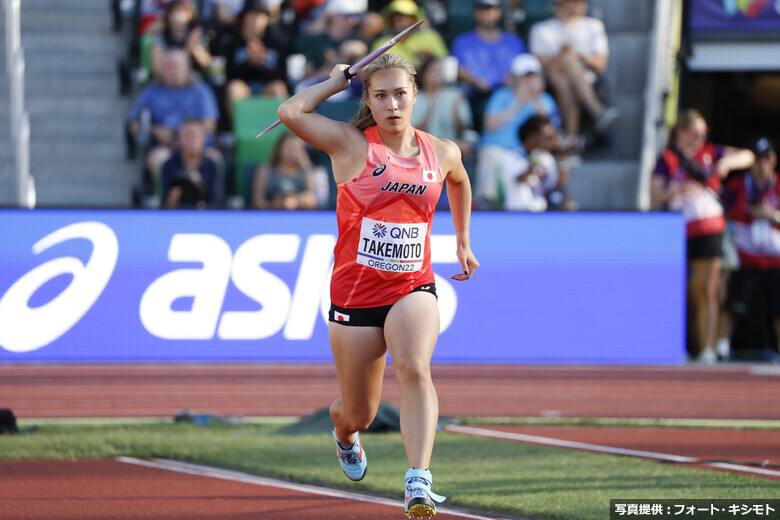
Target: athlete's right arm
(344, 143)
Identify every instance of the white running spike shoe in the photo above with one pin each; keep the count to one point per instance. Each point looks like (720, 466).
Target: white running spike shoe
(353, 459)
(419, 500)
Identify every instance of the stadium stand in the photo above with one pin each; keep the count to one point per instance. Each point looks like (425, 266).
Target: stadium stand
(251, 116)
(77, 114)
(608, 179)
(77, 149)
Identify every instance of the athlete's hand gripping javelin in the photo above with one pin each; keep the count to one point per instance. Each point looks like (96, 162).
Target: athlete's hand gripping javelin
(351, 71)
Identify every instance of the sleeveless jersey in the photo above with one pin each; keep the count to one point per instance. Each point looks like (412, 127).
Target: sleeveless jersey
(384, 218)
(701, 209)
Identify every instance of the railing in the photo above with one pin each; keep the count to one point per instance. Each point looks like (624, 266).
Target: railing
(660, 90)
(20, 121)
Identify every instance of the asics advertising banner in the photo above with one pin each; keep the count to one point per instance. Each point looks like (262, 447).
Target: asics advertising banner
(137, 286)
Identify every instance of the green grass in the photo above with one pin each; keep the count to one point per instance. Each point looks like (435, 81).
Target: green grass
(710, 424)
(481, 474)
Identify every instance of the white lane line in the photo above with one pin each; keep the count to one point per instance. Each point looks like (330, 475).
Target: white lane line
(548, 441)
(761, 370)
(247, 478)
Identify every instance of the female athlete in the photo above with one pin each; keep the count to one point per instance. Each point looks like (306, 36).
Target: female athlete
(383, 296)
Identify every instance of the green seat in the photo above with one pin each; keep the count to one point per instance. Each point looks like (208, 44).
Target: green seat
(460, 18)
(145, 58)
(250, 117)
(338, 111)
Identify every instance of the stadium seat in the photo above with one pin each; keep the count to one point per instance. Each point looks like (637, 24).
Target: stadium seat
(145, 56)
(251, 116)
(535, 11)
(460, 18)
(339, 111)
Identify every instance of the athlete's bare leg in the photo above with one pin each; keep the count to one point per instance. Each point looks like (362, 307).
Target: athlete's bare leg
(705, 273)
(411, 330)
(360, 354)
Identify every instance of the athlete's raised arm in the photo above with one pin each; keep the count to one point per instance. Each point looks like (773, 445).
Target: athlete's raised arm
(459, 195)
(344, 143)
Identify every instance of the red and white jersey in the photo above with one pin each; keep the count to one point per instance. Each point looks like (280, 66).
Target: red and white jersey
(758, 241)
(384, 218)
(701, 208)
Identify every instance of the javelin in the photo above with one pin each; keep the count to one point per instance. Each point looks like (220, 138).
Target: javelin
(357, 67)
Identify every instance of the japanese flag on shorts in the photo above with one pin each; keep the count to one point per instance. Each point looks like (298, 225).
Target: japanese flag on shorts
(430, 176)
(339, 316)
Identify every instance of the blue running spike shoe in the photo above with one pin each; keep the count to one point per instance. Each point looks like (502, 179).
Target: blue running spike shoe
(419, 500)
(353, 459)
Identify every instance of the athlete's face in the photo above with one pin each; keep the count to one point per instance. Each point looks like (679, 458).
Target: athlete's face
(391, 97)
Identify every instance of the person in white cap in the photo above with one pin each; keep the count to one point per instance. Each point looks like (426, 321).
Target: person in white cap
(508, 108)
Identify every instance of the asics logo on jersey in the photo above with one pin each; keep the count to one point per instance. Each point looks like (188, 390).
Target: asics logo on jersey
(379, 170)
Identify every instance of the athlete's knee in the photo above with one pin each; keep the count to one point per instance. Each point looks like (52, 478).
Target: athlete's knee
(412, 370)
(352, 418)
(360, 420)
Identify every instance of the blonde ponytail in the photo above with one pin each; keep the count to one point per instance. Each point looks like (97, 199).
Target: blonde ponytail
(363, 119)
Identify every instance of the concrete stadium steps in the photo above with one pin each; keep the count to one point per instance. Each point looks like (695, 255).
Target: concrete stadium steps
(76, 113)
(625, 134)
(627, 73)
(102, 180)
(609, 178)
(605, 185)
(624, 15)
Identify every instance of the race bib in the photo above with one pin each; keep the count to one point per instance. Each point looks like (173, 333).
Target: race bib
(392, 247)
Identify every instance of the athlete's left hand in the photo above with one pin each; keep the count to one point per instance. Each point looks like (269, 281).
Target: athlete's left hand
(468, 262)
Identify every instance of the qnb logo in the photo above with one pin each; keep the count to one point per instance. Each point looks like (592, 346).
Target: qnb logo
(380, 230)
(22, 328)
(292, 310)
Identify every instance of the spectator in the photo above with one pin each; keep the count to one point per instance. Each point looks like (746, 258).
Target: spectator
(180, 31)
(371, 27)
(508, 108)
(176, 97)
(256, 57)
(421, 44)
(307, 12)
(686, 178)
(485, 55)
(542, 144)
(288, 180)
(441, 109)
(151, 13)
(574, 51)
(349, 52)
(752, 201)
(340, 21)
(190, 178)
(222, 14)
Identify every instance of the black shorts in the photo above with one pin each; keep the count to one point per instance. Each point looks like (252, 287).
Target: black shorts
(753, 292)
(707, 246)
(369, 316)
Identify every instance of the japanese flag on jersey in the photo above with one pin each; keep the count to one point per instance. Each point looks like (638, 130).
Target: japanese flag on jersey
(339, 316)
(430, 176)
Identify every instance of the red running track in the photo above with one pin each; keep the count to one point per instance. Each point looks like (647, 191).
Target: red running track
(719, 392)
(114, 490)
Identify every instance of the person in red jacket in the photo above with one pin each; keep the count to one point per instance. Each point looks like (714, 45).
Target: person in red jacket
(383, 294)
(687, 178)
(752, 202)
